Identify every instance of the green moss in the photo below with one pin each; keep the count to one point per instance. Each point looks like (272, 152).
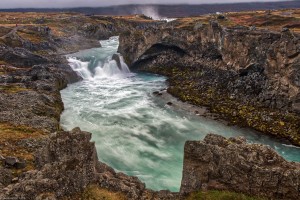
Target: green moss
(12, 88)
(10, 137)
(274, 122)
(30, 36)
(94, 192)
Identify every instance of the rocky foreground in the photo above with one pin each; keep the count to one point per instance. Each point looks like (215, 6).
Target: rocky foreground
(232, 164)
(227, 69)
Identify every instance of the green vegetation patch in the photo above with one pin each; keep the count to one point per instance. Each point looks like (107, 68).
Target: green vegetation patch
(11, 138)
(12, 88)
(183, 84)
(94, 192)
(31, 36)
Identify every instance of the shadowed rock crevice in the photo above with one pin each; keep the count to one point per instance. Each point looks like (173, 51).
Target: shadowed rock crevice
(156, 51)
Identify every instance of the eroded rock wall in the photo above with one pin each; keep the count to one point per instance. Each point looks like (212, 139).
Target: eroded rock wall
(67, 164)
(249, 77)
(232, 164)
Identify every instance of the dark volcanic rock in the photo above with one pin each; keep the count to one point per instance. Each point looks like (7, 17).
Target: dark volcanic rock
(12, 162)
(116, 58)
(248, 77)
(20, 57)
(232, 164)
(66, 165)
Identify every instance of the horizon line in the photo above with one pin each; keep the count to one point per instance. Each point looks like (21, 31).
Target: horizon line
(153, 4)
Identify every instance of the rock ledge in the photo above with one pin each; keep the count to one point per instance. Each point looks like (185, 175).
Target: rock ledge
(232, 164)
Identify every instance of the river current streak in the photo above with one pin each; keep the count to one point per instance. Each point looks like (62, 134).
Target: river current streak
(133, 130)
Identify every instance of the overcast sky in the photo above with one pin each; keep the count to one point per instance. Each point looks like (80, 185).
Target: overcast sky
(94, 3)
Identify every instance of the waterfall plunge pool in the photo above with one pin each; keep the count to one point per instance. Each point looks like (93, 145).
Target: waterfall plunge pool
(133, 130)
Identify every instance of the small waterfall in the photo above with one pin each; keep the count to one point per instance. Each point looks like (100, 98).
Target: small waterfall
(103, 62)
(111, 69)
(80, 67)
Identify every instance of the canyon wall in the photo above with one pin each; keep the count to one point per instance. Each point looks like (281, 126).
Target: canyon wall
(249, 77)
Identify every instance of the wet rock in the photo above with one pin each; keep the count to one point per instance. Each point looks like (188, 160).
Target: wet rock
(116, 58)
(232, 164)
(169, 103)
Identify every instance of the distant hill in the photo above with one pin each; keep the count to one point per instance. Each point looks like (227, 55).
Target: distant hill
(169, 10)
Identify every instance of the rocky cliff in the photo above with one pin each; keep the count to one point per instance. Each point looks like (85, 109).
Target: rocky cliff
(232, 164)
(66, 164)
(247, 75)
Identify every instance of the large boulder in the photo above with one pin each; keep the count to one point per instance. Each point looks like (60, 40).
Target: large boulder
(232, 164)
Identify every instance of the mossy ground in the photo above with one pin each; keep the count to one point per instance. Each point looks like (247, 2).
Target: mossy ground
(272, 20)
(12, 88)
(220, 195)
(94, 192)
(11, 138)
(183, 84)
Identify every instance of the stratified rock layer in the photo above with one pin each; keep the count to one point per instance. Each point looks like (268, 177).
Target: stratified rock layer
(232, 164)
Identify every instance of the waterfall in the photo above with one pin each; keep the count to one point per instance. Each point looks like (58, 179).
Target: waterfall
(100, 64)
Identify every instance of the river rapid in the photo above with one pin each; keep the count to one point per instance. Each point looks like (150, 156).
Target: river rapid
(133, 130)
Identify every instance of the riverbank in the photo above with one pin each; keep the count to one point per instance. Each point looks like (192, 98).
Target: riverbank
(246, 74)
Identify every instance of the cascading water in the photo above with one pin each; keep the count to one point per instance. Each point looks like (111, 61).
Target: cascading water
(94, 65)
(133, 130)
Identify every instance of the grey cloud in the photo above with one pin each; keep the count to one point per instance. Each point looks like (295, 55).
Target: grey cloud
(94, 3)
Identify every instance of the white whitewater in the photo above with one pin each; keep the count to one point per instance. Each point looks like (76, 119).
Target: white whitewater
(133, 130)
(102, 66)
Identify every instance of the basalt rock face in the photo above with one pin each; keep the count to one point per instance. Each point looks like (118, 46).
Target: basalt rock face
(249, 77)
(68, 163)
(31, 96)
(232, 164)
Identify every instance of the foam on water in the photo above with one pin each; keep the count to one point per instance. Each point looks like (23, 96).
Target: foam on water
(133, 130)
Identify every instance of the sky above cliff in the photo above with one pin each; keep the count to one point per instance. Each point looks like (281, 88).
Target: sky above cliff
(94, 3)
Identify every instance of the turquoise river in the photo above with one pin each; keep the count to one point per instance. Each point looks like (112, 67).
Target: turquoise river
(133, 130)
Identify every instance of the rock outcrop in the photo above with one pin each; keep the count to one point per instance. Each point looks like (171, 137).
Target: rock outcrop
(248, 77)
(66, 165)
(232, 164)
